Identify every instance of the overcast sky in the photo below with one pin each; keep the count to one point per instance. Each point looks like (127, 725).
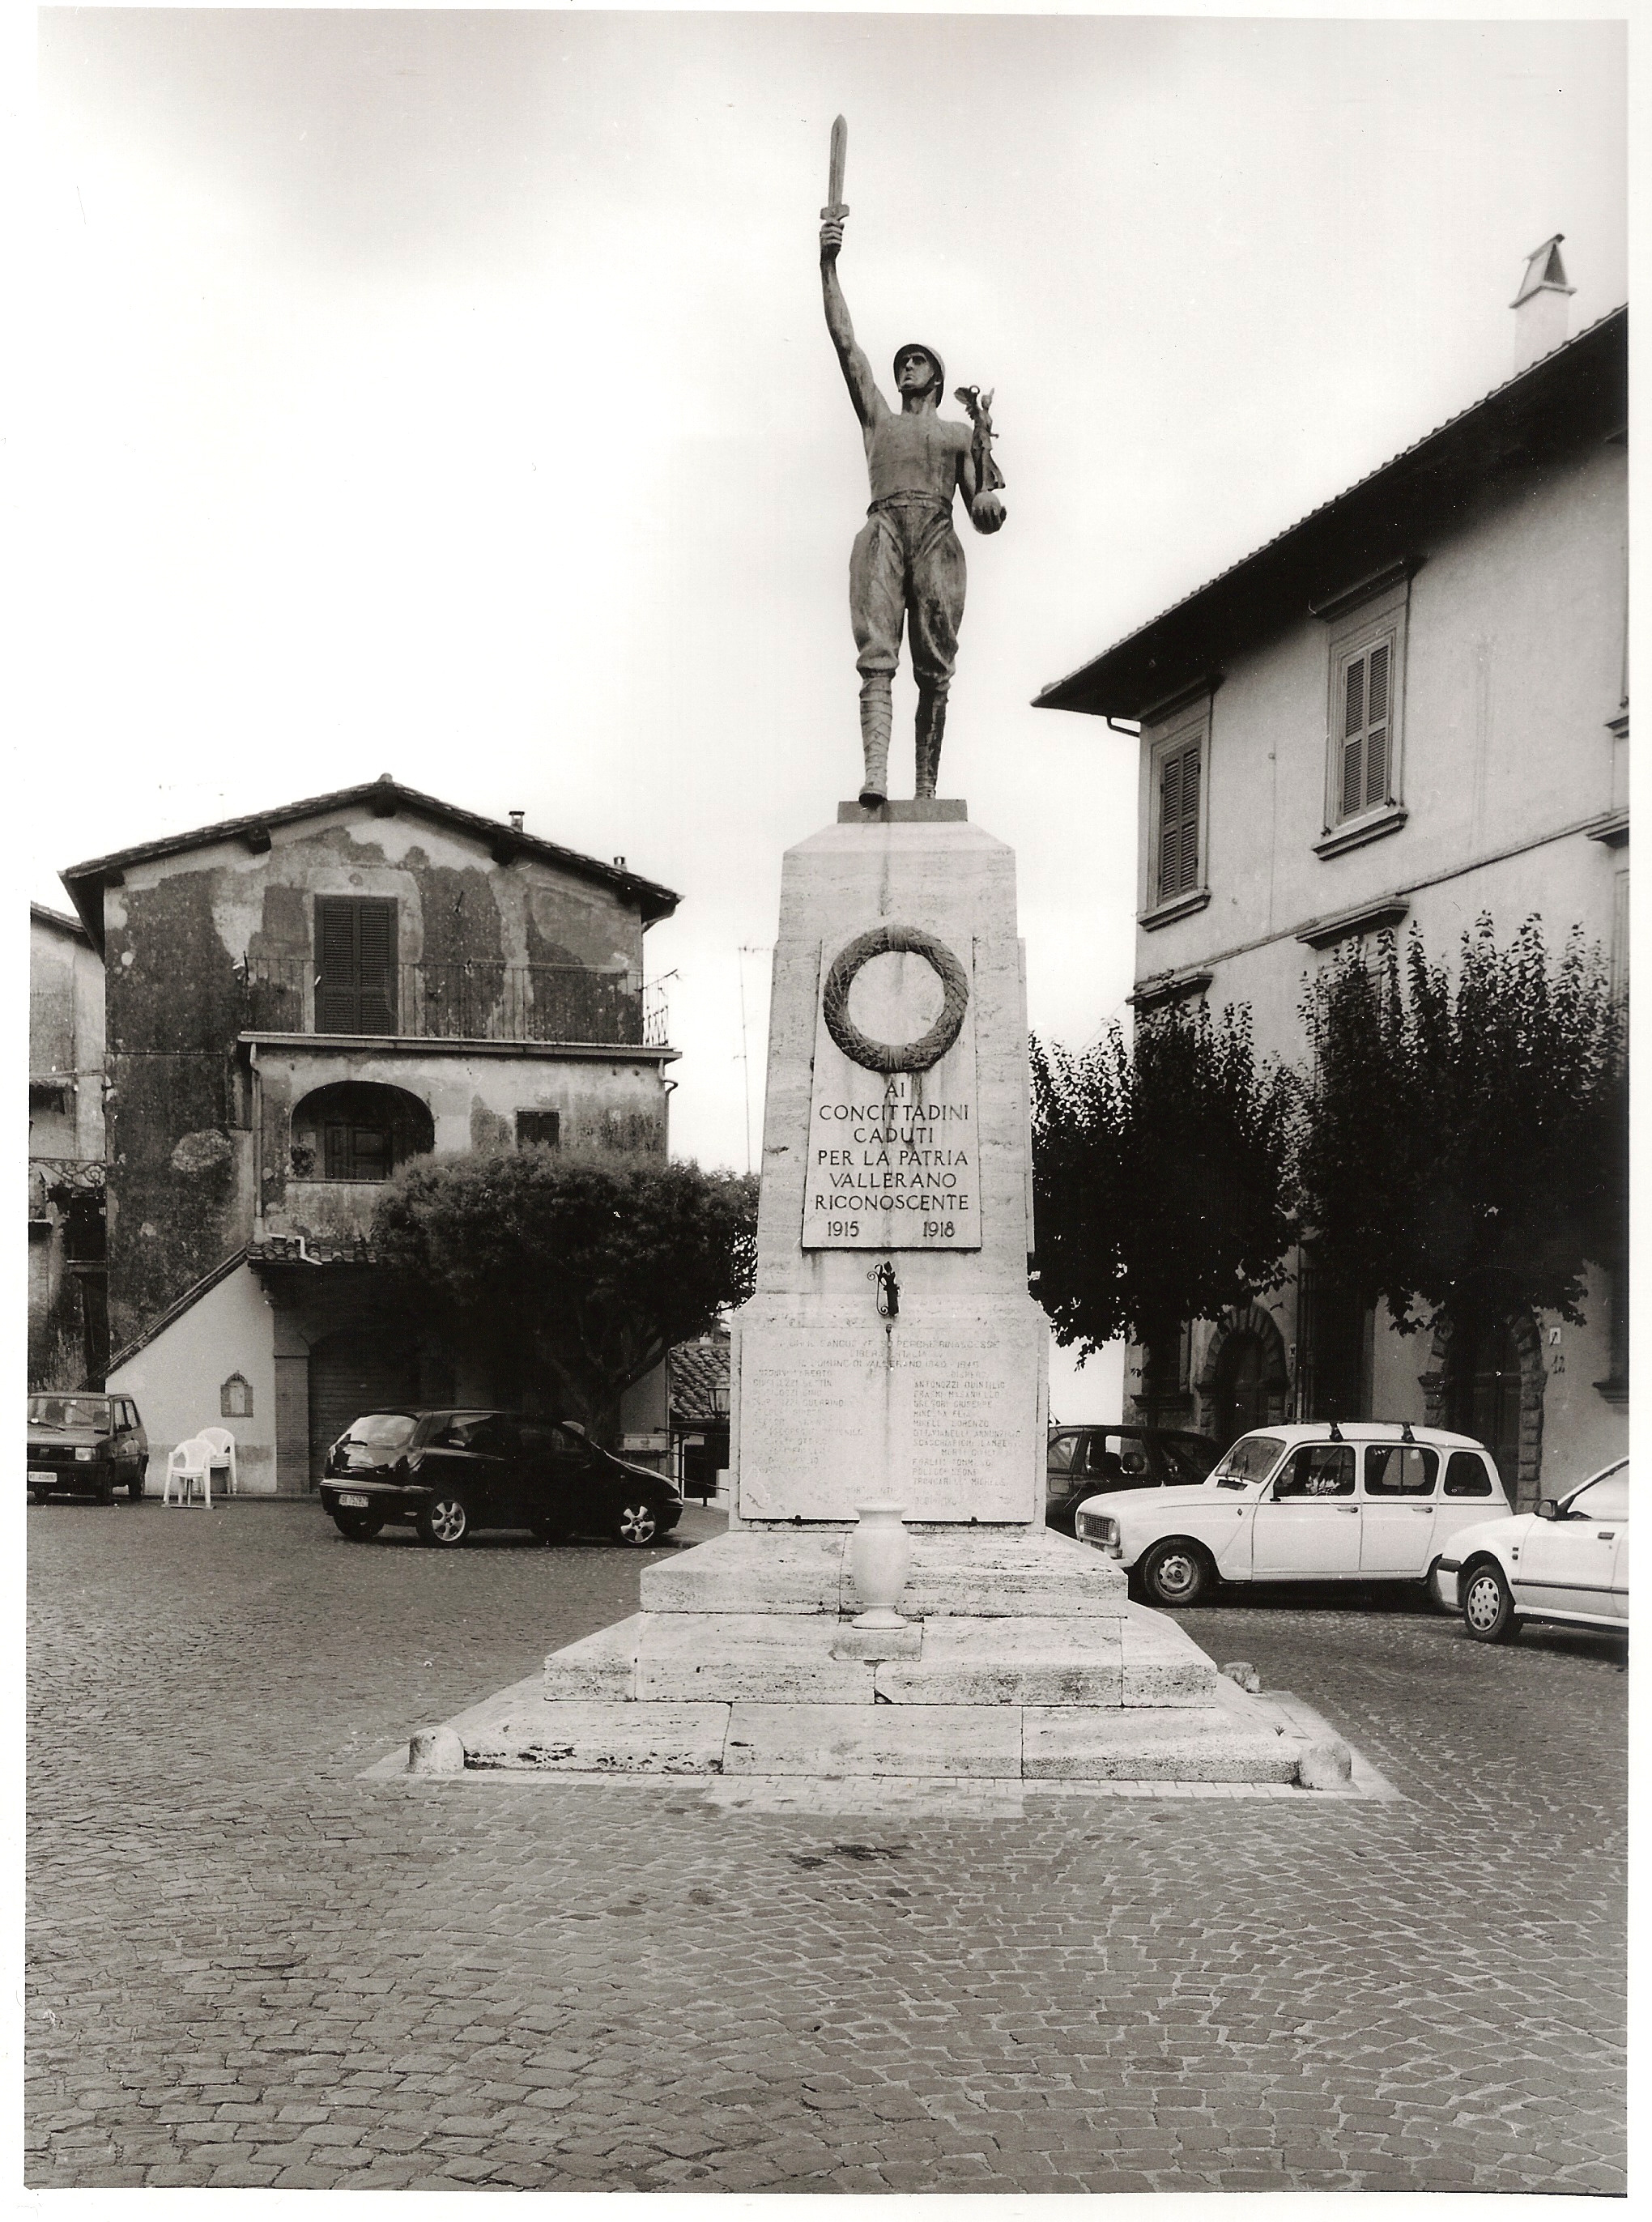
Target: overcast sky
(448, 394)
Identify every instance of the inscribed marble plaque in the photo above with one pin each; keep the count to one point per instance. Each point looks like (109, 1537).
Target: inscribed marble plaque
(893, 1157)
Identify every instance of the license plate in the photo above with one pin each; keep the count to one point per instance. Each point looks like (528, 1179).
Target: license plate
(37, 1479)
(352, 1504)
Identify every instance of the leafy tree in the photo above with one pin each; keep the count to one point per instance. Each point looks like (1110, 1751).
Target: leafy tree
(583, 1267)
(1465, 1147)
(1161, 1176)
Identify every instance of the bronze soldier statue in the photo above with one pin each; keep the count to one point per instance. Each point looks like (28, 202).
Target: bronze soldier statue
(908, 564)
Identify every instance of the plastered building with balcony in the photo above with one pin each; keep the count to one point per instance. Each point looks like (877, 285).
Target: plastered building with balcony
(297, 1003)
(1410, 708)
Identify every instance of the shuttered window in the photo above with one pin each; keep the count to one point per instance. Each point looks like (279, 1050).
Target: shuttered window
(1179, 778)
(538, 1130)
(355, 965)
(1364, 765)
(353, 1151)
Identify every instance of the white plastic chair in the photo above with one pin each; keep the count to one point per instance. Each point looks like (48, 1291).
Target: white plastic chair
(186, 1464)
(222, 1444)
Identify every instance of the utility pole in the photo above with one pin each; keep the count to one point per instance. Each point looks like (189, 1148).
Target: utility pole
(746, 949)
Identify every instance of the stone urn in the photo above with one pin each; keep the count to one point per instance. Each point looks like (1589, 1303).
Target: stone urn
(880, 1553)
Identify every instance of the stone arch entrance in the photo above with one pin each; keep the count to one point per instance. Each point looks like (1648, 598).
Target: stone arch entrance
(1245, 1381)
(1489, 1383)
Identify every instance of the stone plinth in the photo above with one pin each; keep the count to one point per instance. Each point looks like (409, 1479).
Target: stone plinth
(942, 1408)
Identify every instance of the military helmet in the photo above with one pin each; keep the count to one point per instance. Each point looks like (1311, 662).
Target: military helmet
(919, 347)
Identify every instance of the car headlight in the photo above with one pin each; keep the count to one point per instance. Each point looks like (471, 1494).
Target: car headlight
(84, 1454)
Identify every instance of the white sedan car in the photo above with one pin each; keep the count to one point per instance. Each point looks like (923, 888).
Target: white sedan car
(1310, 1502)
(1568, 1560)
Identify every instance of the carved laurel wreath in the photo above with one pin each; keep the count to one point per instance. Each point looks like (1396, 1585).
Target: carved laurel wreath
(895, 1057)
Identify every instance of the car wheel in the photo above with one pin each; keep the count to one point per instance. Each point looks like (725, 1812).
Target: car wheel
(1177, 1572)
(444, 1523)
(38, 1495)
(638, 1523)
(105, 1492)
(134, 1487)
(1488, 1604)
(358, 1527)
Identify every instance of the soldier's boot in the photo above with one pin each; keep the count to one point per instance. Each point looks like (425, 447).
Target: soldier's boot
(875, 738)
(931, 728)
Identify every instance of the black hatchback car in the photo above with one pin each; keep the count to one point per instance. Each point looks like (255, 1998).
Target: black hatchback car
(1081, 1461)
(449, 1471)
(85, 1443)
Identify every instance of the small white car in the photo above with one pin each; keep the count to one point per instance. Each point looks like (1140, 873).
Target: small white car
(1568, 1560)
(1308, 1501)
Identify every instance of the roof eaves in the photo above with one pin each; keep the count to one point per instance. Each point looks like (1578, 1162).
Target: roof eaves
(60, 919)
(655, 901)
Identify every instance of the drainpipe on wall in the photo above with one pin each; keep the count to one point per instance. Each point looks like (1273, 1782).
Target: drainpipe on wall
(257, 1093)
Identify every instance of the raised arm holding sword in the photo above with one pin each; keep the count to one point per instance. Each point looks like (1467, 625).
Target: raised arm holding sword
(906, 566)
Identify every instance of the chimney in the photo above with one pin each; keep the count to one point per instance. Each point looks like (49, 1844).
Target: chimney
(517, 817)
(1540, 310)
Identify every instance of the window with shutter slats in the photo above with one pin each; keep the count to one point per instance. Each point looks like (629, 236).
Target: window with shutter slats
(355, 965)
(1363, 769)
(1179, 784)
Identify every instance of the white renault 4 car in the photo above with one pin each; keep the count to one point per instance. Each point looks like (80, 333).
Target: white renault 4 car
(1568, 1560)
(1310, 1502)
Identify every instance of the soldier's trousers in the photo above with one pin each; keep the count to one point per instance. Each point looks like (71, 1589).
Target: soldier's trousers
(908, 566)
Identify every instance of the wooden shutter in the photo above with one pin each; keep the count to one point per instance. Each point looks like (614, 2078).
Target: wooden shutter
(1178, 821)
(355, 965)
(1367, 682)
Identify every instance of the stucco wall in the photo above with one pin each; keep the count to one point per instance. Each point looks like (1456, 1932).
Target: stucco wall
(177, 1379)
(177, 929)
(1514, 665)
(472, 1100)
(66, 1037)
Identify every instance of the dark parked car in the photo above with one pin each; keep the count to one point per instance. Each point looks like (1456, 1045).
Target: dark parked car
(446, 1472)
(1082, 1460)
(84, 1444)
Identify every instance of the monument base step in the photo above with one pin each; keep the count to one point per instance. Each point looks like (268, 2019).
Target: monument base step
(529, 1733)
(967, 1573)
(1137, 1660)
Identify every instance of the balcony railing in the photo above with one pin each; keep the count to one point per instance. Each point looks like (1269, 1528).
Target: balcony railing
(475, 1001)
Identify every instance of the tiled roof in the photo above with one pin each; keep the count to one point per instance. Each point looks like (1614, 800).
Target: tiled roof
(308, 1250)
(698, 1368)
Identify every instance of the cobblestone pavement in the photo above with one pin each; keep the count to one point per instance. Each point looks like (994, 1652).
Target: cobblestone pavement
(248, 1967)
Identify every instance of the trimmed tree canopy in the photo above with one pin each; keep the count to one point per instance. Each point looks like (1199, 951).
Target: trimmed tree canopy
(583, 1267)
(1465, 1147)
(1160, 1177)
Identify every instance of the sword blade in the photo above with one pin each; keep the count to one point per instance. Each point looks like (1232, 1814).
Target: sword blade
(839, 157)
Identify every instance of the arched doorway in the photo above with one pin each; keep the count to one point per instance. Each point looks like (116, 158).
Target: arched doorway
(1245, 1382)
(353, 1370)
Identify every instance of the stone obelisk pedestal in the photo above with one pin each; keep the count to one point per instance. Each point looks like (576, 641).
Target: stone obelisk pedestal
(890, 1355)
(940, 1409)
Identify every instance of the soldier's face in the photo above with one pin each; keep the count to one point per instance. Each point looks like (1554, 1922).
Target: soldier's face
(914, 372)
